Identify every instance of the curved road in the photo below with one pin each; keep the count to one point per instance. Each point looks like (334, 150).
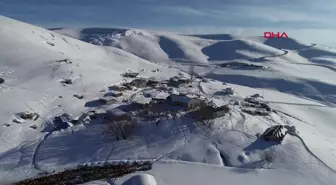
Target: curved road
(307, 148)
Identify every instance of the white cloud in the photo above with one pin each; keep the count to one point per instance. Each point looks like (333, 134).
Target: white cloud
(184, 10)
(315, 16)
(320, 36)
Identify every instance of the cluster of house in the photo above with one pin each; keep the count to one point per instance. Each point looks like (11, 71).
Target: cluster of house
(173, 98)
(171, 104)
(65, 120)
(117, 90)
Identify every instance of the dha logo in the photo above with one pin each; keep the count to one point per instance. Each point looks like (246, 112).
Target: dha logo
(270, 35)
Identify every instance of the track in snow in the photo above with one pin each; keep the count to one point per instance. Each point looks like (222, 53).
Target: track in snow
(309, 151)
(34, 163)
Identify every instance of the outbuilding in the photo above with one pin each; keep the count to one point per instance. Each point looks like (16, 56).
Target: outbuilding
(108, 100)
(275, 133)
(117, 115)
(131, 75)
(209, 112)
(185, 101)
(139, 83)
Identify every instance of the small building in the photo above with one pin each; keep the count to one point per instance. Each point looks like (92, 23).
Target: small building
(62, 122)
(257, 96)
(78, 96)
(251, 100)
(228, 91)
(185, 101)
(265, 106)
(256, 111)
(65, 117)
(275, 133)
(158, 100)
(108, 100)
(141, 102)
(118, 88)
(184, 80)
(172, 90)
(204, 80)
(67, 61)
(67, 81)
(147, 94)
(173, 82)
(152, 82)
(163, 87)
(210, 112)
(130, 75)
(127, 85)
(140, 105)
(83, 119)
(117, 115)
(33, 126)
(114, 94)
(139, 83)
(28, 115)
(236, 102)
(177, 82)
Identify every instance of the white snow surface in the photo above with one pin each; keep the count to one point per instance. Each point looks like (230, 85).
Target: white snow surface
(296, 80)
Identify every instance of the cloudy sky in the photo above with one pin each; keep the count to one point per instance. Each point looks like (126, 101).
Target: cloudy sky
(309, 20)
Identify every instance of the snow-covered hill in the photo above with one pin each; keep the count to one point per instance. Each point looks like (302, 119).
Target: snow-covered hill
(295, 79)
(282, 60)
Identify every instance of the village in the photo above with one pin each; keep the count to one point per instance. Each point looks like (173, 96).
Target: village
(147, 100)
(139, 99)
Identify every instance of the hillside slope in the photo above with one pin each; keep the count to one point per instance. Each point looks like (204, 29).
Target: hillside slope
(292, 78)
(33, 65)
(287, 65)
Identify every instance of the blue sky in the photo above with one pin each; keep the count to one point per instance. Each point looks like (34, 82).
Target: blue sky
(309, 20)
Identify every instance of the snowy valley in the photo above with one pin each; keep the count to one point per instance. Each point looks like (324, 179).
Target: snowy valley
(198, 108)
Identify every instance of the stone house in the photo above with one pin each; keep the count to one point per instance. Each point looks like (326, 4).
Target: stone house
(185, 101)
(118, 88)
(141, 102)
(139, 83)
(130, 75)
(108, 100)
(114, 94)
(228, 91)
(117, 115)
(177, 82)
(210, 112)
(256, 111)
(152, 82)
